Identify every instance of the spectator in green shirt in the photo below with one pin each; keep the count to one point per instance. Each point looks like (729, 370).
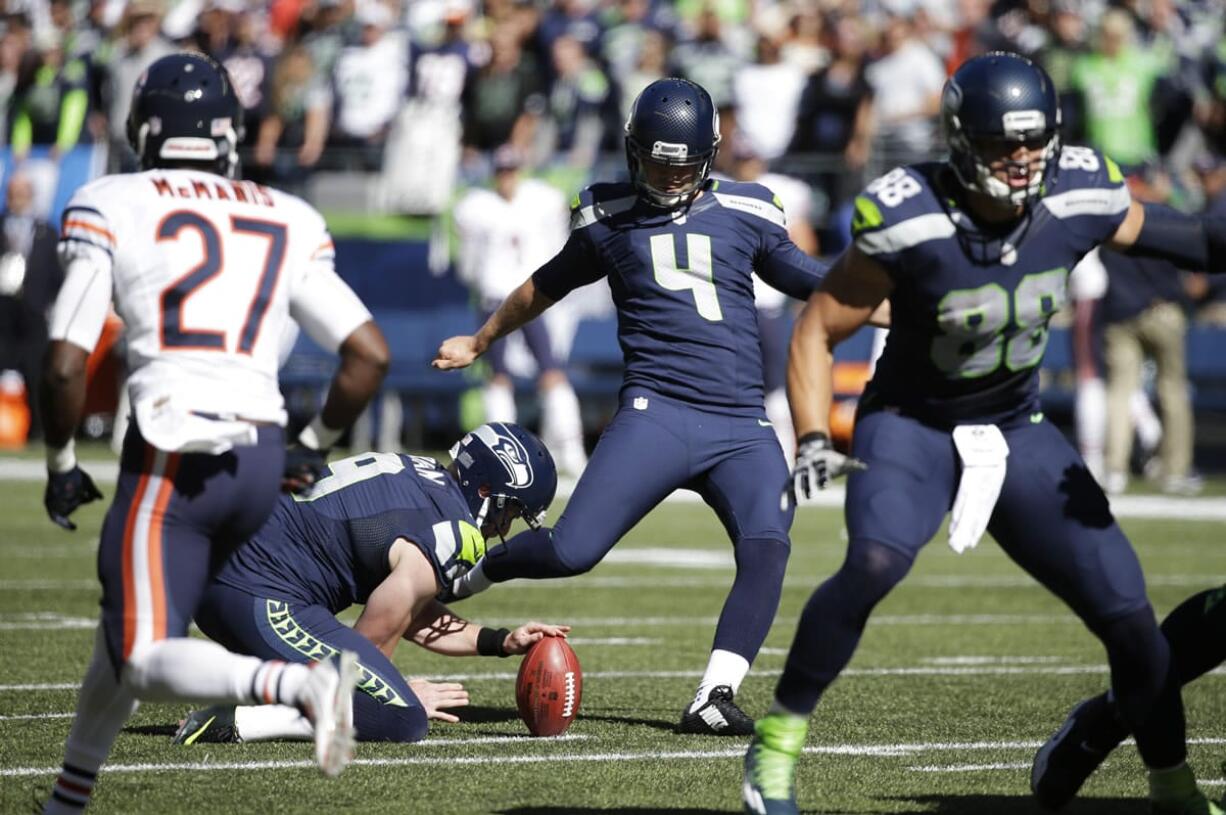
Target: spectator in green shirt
(1116, 81)
(50, 107)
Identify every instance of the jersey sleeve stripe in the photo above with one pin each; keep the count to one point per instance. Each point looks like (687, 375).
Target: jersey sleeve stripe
(905, 235)
(586, 216)
(79, 208)
(86, 241)
(1097, 201)
(753, 206)
(73, 224)
(325, 249)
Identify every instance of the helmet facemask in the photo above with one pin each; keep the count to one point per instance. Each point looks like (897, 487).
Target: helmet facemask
(662, 160)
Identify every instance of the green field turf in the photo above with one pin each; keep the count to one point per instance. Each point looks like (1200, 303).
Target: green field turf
(964, 670)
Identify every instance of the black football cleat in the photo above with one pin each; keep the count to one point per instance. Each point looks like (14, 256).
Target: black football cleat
(213, 725)
(718, 716)
(1074, 752)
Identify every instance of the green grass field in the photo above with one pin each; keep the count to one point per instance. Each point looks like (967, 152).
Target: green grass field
(964, 670)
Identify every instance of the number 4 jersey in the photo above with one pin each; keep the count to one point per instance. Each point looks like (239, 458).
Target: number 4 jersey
(682, 282)
(206, 273)
(970, 308)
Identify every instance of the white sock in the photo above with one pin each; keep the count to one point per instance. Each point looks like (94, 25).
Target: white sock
(1090, 414)
(1145, 420)
(562, 428)
(202, 672)
(780, 416)
(271, 722)
(103, 705)
(499, 402)
(471, 582)
(723, 668)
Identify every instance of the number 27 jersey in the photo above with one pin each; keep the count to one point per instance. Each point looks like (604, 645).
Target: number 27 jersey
(969, 309)
(206, 273)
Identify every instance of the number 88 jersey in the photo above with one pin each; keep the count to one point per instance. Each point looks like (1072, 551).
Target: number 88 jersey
(206, 274)
(970, 308)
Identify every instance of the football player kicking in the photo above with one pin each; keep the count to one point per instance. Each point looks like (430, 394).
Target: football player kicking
(1196, 631)
(973, 254)
(206, 271)
(389, 531)
(679, 251)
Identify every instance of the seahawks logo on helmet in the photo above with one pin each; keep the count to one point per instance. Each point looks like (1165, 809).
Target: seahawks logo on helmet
(511, 455)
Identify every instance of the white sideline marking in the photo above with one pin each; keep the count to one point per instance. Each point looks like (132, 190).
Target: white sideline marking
(1124, 506)
(613, 641)
(987, 660)
(671, 556)
(888, 750)
(62, 624)
(972, 768)
(27, 716)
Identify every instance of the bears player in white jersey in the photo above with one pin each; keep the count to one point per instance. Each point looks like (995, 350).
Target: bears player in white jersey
(205, 271)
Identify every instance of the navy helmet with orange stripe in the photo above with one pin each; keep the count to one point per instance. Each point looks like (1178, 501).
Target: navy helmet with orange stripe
(185, 113)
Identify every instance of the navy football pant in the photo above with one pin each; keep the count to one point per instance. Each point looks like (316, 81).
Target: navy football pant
(653, 446)
(384, 707)
(1051, 518)
(175, 518)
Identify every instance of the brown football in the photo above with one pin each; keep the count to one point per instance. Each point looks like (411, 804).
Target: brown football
(549, 687)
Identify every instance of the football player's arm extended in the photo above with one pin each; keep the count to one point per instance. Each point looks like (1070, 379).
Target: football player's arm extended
(852, 292)
(76, 323)
(798, 275)
(1194, 243)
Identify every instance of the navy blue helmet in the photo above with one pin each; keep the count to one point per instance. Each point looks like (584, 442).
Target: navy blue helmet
(673, 124)
(500, 466)
(991, 104)
(185, 112)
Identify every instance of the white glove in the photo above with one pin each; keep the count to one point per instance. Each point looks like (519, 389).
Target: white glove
(817, 462)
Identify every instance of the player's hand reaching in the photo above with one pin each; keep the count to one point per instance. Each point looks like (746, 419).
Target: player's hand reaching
(457, 352)
(65, 492)
(522, 638)
(817, 462)
(303, 467)
(437, 696)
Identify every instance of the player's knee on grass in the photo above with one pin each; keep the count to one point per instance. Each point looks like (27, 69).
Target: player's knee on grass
(378, 721)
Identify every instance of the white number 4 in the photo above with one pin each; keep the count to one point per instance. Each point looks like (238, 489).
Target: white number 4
(699, 277)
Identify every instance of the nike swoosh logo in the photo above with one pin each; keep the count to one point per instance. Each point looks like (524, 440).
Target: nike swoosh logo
(199, 731)
(764, 423)
(1036, 418)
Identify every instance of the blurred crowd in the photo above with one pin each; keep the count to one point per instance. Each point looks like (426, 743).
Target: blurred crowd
(422, 91)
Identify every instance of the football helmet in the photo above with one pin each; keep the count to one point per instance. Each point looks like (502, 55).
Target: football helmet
(672, 136)
(502, 467)
(992, 104)
(185, 112)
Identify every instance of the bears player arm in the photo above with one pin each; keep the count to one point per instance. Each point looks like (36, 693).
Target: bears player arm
(333, 316)
(76, 323)
(852, 292)
(1195, 243)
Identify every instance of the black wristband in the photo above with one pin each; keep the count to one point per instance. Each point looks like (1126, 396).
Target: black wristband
(491, 642)
(813, 435)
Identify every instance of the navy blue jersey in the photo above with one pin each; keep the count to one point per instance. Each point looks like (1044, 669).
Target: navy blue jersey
(682, 284)
(329, 547)
(969, 309)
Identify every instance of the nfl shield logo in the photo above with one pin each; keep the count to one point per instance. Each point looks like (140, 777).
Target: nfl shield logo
(640, 403)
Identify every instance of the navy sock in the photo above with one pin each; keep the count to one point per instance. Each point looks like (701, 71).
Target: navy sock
(532, 553)
(833, 620)
(1146, 687)
(754, 598)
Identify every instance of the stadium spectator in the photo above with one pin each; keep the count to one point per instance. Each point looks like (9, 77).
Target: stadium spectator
(141, 45)
(835, 114)
(30, 279)
(371, 77)
(1116, 81)
(505, 234)
(230, 32)
(1066, 43)
(502, 102)
(1211, 170)
(708, 59)
(906, 83)
(1143, 315)
(576, 104)
(49, 107)
(767, 94)
(652, 65)
(976, 33)
(805, 44)
(575, 19)
(625, 37)
(297, 122)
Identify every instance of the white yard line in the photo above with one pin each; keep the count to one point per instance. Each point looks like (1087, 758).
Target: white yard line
(971, 768)
(22, 717)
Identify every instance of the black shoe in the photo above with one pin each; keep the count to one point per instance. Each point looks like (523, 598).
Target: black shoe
(718, 716)
(213, 725)
(1076, 750)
